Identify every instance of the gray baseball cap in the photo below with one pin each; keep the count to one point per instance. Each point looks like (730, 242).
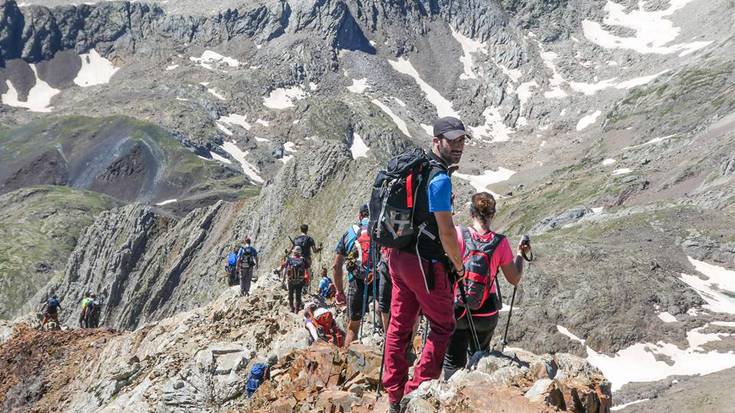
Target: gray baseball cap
(450, 128)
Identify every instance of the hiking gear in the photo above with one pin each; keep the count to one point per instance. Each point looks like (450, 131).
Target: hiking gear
(295, 270)
(471, 322)
(450, 128)
(526, 240)
(297, 250)
(232, 259)
(398, 204)
(326, 288)
(358, 258)
(507, 324)
(52, 305)
(410, 296)
(258, 374)
(231, 275)
(481, 291)
(305, 243)
(246, 256)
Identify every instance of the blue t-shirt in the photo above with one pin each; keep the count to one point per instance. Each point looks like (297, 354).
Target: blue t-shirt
(249, 250)
(440, 193)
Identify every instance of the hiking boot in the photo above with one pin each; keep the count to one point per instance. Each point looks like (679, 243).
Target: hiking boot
(399, 407)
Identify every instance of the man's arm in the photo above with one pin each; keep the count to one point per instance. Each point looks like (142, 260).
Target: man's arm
(448, 236)
(339, 260)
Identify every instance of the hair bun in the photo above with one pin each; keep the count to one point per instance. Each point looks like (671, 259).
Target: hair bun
(483, 205)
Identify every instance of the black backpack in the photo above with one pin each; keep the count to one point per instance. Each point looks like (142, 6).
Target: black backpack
(395, 195)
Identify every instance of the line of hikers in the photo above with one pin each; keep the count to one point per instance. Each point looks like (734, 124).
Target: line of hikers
(89, 316)
(405, 252)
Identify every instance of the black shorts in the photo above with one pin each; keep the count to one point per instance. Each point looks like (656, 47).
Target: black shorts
(356, 298)
(385, 287)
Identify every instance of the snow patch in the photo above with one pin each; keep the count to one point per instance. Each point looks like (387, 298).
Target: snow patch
(443, 106)
(622, 171)
(638, 363)
(224, 129)
(250, 170)
(469, 46)
(718, 289)
(623, 406)
(588, 120)
(209, 58)
(38, 99)
(597, 210)
(399, 101)
(398, 121)
(358, 85)
(569, 334)
(493, 128)
(290, 147)
(263, 123)
(359, 149)
(513, 74)
(313, 86)
(216, 94)
(171, 67)
(257, 139)
(220, 158)
(667, 317)
(96, 70)
(653, 31)
(489, 177)
(651, 142)
(524, 91)
(235, 119)
(166, 202)
(608, 162)
(282, 98)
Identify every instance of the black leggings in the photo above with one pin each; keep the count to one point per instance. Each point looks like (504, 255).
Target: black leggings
(294, 292)
(456, 355)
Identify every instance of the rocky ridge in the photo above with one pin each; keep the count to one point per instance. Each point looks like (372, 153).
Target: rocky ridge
(198, 361)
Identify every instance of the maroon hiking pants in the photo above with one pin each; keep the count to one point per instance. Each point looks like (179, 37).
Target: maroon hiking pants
(410, 296)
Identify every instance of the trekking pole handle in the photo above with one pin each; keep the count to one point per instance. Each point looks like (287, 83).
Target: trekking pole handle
(526, 241)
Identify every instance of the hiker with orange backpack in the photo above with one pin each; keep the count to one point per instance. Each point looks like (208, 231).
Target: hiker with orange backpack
(320, 323)
(476, 308)
(353, 251)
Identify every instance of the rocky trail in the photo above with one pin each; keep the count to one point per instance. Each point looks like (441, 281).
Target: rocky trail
(199, 361)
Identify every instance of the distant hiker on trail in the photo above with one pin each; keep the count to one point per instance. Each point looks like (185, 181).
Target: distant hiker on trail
(320, 323)
(483, 252)
(231, 267)
(247, 261)
(93, 313)
(294, 271)
(353, 251)
(50, 311)
(308, 245)
(414, 218)
(86, 306)
(326, 286)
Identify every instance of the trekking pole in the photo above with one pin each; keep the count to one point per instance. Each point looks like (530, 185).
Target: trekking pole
(471, 322)
(373, 257)
(525, 241)
(382, 365)
(364, 306)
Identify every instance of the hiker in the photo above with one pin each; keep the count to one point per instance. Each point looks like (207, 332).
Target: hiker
(94, 313)
(326, 286)
(294, 270)
(50, 311)
(483, 252)
(320, 323)
(247, 261)
(231, 267)
(308, 245)
(90, 311)
(353, 251)
(421, 268)
(86, 304)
